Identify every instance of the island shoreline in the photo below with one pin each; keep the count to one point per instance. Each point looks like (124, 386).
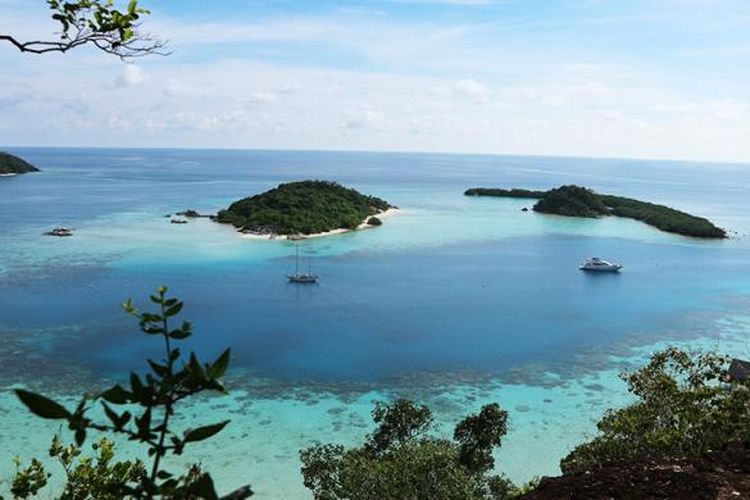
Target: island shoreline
(577, 201)
(286, 237)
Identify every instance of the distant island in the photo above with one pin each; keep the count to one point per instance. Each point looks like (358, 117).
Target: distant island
(576, 201)
(304, 208)
(12, 165)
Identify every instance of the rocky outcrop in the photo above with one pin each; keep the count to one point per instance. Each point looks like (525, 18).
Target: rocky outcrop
(11, 165)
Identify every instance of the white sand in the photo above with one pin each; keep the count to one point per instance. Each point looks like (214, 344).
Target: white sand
(363, 225)
(7, 175)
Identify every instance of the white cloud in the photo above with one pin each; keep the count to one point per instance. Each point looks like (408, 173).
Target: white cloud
(365, 118)
(354, 78)
(294, 30)
(473, 89)
(264, 97)
(131, 75)
(181, 88)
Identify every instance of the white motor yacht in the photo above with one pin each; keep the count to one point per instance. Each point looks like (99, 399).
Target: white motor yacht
(598, 265)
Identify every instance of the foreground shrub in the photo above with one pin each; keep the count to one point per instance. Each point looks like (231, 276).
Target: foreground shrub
(684, 408)
(147, 407)
(401, 460)
(86, 477)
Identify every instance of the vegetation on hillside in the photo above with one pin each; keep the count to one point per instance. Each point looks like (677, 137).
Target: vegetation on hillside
(400, 459)
(10, 164)
(85, 476)
(684, 408)
(576, 201)
(571, 201)
(303, 207)
(664, 218)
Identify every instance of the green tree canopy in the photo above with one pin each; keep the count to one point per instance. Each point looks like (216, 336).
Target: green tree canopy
(400, 459)
(684, 408)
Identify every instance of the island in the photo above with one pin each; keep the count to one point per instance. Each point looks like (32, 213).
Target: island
(577, 201)
(13, 165)
(303, 209)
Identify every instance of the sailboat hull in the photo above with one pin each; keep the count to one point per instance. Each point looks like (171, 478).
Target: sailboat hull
(303, 278)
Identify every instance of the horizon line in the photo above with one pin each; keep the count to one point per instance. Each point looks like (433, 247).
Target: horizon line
(394, 151)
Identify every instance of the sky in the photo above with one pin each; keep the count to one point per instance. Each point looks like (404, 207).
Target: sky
(600, 78)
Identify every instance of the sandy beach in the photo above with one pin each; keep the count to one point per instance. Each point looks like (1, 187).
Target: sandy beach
(270, 237)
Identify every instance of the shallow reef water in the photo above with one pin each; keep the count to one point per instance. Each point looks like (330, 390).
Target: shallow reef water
(454, 302)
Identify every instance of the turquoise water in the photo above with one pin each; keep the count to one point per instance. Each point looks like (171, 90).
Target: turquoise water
(455, 301)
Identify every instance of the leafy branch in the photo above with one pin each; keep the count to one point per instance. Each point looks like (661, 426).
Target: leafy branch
(154, 397)
(99, 23)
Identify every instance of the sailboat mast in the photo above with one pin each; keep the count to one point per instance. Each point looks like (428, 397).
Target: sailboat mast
(296, 260)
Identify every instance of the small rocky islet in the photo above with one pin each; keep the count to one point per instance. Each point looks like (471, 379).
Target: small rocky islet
(577, 201)
(13, 165)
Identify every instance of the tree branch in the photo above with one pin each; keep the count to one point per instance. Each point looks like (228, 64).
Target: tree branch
(40, 47)
(99, 23)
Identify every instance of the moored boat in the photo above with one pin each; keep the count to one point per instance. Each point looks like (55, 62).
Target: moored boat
(299, 276)
(596, 264)
(60, 232)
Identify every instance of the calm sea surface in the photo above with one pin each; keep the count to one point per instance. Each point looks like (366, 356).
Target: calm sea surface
(456, 301)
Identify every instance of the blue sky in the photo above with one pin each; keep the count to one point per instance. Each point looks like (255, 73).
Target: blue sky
(624, 78)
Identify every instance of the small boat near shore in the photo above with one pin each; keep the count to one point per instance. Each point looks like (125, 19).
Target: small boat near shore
(60, 232)
(299, 276)
(597, 265)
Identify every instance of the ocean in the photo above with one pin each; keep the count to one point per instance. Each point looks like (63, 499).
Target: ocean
(455, 301)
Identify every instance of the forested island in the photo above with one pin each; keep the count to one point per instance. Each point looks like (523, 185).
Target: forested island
(12, 165)
(577, 201)
(304, 208)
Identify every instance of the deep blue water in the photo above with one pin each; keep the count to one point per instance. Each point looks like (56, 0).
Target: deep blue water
(401, 299)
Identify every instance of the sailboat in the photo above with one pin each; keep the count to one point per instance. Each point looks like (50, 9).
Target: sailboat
(301, 277)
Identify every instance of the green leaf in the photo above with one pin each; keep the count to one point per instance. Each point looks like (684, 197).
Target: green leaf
(179, 334)
(204, 488)
(128, 306)
(113, 417)
(144, 424)
(125, 417)
(221, 364)
(195, 369)
(174, 310)
(42, 406)
(137, 387)
(116, 395)
(80, 436)
(204, 432)
(158, 368)
(132, 6)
